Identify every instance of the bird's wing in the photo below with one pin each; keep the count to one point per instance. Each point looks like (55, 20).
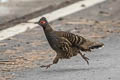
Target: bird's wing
(66, 47)
(74, 39)
(79, 41)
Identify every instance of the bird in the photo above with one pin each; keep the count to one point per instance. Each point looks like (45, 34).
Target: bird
(66, 44)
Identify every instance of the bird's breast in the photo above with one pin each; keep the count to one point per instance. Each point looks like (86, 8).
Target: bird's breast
(53, 40)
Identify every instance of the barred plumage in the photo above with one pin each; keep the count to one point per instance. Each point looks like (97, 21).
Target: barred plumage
(66, 44)
(74, 39)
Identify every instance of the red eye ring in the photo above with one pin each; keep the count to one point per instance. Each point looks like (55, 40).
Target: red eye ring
(42, 22)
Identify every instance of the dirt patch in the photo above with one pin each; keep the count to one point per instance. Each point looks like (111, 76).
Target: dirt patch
(21, 62)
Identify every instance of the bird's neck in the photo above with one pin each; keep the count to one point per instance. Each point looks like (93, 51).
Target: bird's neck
(48, 29)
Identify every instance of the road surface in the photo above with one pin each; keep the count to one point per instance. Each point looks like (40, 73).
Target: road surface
(27, 51)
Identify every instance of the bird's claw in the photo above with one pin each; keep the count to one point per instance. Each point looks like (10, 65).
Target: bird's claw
(47, 66)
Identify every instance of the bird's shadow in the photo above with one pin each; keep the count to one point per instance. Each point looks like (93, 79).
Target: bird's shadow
(62, 70)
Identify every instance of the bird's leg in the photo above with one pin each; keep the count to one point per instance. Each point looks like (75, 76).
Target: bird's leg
(55, 61)
(84, 57)
(47, 66)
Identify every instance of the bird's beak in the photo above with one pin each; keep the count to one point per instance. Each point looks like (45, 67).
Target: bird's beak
(32, 22)
(35, 22)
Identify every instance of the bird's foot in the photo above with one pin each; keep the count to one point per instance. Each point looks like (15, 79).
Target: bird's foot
(47, 66)
(85, 58)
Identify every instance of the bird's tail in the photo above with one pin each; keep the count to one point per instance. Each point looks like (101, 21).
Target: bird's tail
(88, 45)
(96, 45)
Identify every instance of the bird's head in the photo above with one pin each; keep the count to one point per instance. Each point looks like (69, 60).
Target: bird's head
(42, 22)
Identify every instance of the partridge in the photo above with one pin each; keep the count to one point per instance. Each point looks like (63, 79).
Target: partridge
(66, 44)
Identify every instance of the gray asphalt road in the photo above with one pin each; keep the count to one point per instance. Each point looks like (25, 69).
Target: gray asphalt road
(29, 50)
(104, 65)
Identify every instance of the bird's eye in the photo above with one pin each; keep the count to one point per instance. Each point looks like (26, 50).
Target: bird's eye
(42, 22)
